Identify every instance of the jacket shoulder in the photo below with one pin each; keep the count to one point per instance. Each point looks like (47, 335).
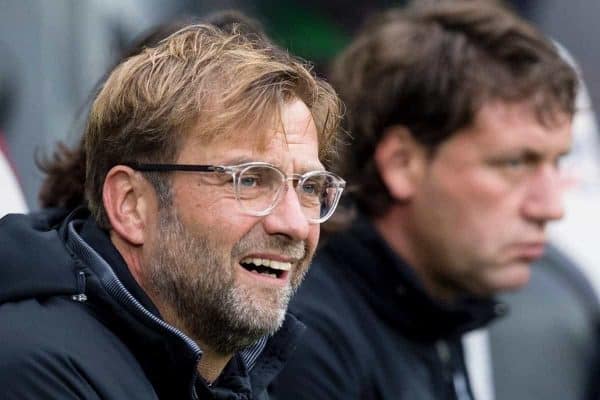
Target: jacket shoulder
(54, 348)
(33, 259)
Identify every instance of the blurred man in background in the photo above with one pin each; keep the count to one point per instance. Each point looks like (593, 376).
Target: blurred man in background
(460, 112)
(544, 347)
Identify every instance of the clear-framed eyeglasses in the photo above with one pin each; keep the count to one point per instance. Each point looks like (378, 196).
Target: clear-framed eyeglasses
(260, 186)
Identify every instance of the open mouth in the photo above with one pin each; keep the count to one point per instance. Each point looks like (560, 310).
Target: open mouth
(266, 267)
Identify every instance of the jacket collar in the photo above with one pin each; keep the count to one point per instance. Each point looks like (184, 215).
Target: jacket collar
(397, 293)
(26, 245)
(125, 304)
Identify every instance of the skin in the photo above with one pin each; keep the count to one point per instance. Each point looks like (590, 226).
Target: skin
(471, 218)
(197, 245)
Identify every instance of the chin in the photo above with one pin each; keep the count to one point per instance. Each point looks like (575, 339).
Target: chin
(512, 278)
(265, 308)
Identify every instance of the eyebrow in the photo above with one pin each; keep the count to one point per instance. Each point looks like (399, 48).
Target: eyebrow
(313, 167)
(533, 153)
(245, 159)
(236, 160)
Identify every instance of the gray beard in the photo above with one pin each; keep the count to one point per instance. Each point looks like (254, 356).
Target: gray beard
(189, 275)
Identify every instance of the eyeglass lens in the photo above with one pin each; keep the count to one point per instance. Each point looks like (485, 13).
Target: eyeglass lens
(260, 187)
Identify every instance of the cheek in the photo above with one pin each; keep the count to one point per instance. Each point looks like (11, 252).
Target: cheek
(211, 211)
(224, 224)
(484, 198)
(192, 196)
(313, 238)
(497, 217)
(230, 231)
(469, 215)
(485, 232)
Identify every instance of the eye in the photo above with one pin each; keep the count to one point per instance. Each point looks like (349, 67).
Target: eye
(249, 181)
(313, 186)
(309, 188)
(514, 163)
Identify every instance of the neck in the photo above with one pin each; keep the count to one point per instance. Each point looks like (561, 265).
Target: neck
(131, 255)
(394, 230)
(212, 364)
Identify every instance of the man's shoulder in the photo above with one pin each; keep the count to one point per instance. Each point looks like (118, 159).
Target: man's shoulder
(57, 326)
(33, 259)
(51, 343)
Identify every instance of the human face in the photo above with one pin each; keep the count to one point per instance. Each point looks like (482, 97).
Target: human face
(201, 263)
(478, 217)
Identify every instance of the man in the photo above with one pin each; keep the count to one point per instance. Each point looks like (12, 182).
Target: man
(206, 187)
(565, 321)
(460, 113)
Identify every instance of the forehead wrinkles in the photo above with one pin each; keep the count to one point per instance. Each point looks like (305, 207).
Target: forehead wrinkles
(255, 136)
(259, 130)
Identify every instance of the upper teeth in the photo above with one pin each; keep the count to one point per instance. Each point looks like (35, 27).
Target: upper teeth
(283, 266)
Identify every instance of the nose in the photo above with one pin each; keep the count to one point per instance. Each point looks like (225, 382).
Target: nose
(287, 218)
(543, 201)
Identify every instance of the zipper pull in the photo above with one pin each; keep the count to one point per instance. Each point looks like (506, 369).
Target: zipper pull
(81, 297)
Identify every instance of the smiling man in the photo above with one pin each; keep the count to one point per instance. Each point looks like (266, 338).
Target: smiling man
(205, 187)
(460, 113)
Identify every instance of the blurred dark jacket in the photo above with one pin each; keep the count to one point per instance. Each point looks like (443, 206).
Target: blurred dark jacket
(373, 332)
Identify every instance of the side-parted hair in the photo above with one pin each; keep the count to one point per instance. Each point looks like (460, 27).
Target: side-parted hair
(63, 186)
(200, 80)
(429, 68)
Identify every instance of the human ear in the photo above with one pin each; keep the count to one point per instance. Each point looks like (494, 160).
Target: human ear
(399, 159)
(126, 200)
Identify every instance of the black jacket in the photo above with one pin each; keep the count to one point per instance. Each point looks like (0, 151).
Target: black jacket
(373, 333)
(73, 327)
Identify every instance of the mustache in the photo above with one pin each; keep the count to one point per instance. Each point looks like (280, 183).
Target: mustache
(296, 249)
(253, 241)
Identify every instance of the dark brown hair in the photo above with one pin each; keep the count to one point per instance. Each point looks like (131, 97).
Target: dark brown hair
(430, 68)
(63, 185)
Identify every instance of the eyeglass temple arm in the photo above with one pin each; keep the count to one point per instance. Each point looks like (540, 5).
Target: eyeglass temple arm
(145, 167)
